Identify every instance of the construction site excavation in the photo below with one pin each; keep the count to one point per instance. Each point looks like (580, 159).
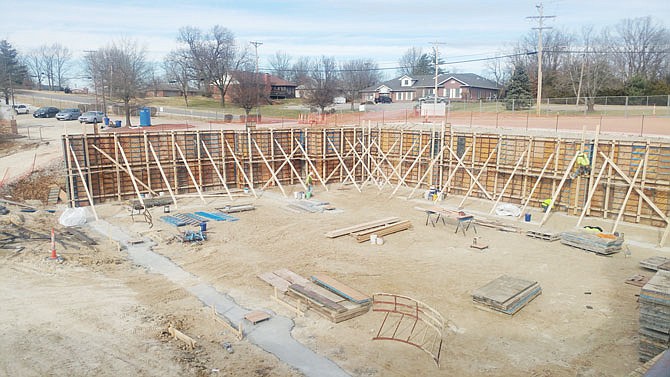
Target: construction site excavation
(376, 249)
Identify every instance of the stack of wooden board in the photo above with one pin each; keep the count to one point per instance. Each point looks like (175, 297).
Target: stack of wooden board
(506, 294)
(655, 316)
(547, 236)
(363, 231)
(326, 296)
(656, 263)
(600, 243)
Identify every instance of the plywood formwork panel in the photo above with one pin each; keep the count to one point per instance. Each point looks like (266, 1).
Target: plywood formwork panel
(414, 153)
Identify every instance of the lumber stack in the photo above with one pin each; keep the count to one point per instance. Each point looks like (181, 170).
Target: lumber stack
(363, 231)
(506, 294)
(324, 295)
(600, 243)
(655, 316)
(656, 263)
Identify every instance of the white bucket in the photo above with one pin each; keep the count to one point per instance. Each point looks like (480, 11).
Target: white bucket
(380, 241)
(373, 239)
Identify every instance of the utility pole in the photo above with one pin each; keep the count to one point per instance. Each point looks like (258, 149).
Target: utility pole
(258, 94)
(539, 28)
(437, 53)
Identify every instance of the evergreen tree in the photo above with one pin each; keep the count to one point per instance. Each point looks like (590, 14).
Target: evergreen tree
(518, 90)
(12, 72)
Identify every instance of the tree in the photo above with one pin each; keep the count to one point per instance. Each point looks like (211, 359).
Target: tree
(12, 72)
(300, 71)
(416, 62)
(214, 55)
(281, 65)
(247, 91)
(641, 48)
(591, 72)
(497, 71)
(52, 62)
(356, 75)
(518, 90)
(130, 74)
(179, 71)
(322, 87)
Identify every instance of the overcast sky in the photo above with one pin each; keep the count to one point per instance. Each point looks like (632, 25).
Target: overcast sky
(379, 29)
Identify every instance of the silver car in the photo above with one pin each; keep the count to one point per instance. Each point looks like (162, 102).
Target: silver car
(68, 114)
(92, 117)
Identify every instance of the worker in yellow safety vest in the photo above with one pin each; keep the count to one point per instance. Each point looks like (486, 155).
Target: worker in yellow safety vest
(545, 204)
(309, 182)
(583, 165)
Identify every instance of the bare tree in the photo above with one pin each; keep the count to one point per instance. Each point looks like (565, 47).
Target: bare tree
(498, 70)
(130, 74)
(215, 55)
(246, 91)
(54, 63)
(323, 83)
(641, 47)
(281, 65)
(415, 62)
(179, 71)
(300, 71)
(592, 71)
(33, 62)
(356, 75)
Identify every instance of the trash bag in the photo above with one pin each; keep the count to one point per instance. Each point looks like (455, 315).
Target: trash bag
(506, 209)
(73, 217)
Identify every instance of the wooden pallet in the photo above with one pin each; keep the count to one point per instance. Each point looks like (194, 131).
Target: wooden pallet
(551, 237)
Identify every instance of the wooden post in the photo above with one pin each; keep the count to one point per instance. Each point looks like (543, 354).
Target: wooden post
(132, 176)
(459, 162)
(83, 182)
(402, 181)
(483, 169)
(309, 162)
(353, 180)
(216, 169)
(537, 183)
(428, 170)
(118, 165)
(630, 190)
(272, 172)
(591, 193)
(190, 173)
(510, 179)
(241, 168)
(160, 168)
(558, 189)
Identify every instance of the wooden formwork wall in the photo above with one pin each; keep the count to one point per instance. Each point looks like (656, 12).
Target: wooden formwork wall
(397, 156)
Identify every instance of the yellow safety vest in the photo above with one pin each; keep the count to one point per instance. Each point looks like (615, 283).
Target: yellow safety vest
(547, 202)
(583, 160)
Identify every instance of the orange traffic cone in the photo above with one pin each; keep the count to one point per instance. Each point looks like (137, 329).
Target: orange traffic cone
(53, 245)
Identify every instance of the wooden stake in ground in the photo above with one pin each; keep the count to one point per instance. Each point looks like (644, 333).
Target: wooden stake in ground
(83, 182)
(160, 168)
(537, 183)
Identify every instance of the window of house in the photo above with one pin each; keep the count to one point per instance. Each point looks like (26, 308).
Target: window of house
(405, 82)
(398, 96)
(455, 93)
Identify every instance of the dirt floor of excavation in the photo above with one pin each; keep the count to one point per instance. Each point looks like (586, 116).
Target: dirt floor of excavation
(98, 312)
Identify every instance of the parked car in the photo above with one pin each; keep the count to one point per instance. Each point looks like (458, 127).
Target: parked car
(21, 109)
(92, 117)
(68, 114)
(46, 112)
(383, 99)
(431, 98)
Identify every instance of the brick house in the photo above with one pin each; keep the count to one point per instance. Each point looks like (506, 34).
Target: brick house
(169, 90)
(273, 87)
(454, 86)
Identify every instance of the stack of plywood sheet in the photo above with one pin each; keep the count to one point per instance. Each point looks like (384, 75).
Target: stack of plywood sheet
(506, 294)
(326, 296)
(600, 243)
(655, 316)
(656, 263)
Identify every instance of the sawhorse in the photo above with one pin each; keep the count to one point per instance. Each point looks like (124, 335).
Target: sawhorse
(464, 222)
(434, 220)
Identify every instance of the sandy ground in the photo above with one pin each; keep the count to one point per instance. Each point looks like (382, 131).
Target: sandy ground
(98, 314)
